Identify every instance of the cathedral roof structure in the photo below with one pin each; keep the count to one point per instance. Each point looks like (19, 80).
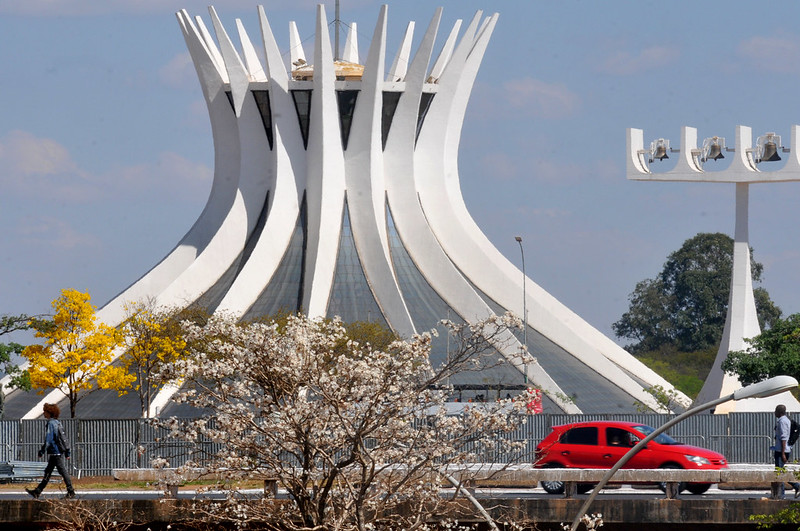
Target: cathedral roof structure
(336, 193)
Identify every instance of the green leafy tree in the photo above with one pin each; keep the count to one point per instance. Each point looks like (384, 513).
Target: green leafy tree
(687, 371)
(774, 352)
(13, 323)
(18, 378)
(686, 304)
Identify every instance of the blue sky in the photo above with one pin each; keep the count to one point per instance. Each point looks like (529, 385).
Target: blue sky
(106, 153)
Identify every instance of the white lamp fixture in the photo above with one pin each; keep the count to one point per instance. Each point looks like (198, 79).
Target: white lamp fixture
(770, 387)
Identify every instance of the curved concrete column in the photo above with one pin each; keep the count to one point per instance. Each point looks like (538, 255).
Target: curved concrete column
(366, 196)
(325, 185)
(253, 185)
(288, 167)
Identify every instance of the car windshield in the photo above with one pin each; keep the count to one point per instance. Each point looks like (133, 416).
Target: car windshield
(662, 438)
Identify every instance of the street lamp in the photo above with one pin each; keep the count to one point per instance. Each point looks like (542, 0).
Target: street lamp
(772, 386)
(524, 305)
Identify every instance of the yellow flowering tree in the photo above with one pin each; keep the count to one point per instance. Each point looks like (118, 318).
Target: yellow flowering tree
(77, 352)
(153, 337)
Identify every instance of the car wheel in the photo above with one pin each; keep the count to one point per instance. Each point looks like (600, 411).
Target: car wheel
(698, 488)
(662, 486)
(553, 487)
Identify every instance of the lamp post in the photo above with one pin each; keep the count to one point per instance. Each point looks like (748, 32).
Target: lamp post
(769, 387)
(524, 305)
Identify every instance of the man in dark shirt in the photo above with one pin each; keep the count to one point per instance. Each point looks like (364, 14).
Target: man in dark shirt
(56, 446)
(782, 450)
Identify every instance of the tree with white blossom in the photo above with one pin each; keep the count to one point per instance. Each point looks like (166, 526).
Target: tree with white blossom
(357, 436)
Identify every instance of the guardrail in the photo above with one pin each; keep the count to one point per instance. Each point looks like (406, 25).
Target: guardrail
(523, 476)
(528, 476)
(171, 479)
(20, 471)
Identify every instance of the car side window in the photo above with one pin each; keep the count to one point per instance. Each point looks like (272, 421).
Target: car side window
(584, 435)
(618, 437)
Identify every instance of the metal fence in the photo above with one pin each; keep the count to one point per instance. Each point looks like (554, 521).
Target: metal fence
(99, 446)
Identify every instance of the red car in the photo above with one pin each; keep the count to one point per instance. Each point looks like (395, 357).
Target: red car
(600, 444)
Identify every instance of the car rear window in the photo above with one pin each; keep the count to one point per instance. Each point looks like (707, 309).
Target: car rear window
(583, 435)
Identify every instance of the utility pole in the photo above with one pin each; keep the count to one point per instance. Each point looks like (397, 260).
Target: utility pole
(337, 25)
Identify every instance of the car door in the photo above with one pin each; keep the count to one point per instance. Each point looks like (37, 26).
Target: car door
(578, 447)
(617, 442)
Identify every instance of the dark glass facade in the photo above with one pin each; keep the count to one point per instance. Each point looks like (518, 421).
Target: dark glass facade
(351, 297)
(302, 104)
(591, 391)
(262, 102)
(424, 105)
(427, 309)
(346, 100)
(284, 293)
(390, 101)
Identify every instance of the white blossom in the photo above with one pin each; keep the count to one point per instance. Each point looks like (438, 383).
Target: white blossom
(350, 431)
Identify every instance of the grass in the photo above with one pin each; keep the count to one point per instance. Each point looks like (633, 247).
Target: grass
(685, 370)
(88, 483)
(109, 483)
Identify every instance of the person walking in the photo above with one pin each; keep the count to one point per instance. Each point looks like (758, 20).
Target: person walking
(782, 450)
(56, 446)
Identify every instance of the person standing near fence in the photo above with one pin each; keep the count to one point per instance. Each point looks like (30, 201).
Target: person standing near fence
(782, 450)
(56, 446)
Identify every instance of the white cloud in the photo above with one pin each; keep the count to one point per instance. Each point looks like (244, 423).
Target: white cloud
(566, 173)
(179, 72)
(95, 7)
(41, 167)
(32, 166)
(550, 213)
(24, 154)
(774, 54)
(52, 232)
(557, 172)
(545, 100)
(625, 63)
(181, 176)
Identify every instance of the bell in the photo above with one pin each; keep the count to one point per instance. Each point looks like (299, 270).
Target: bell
(661, 152)
(715, 152)
(770, 152)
